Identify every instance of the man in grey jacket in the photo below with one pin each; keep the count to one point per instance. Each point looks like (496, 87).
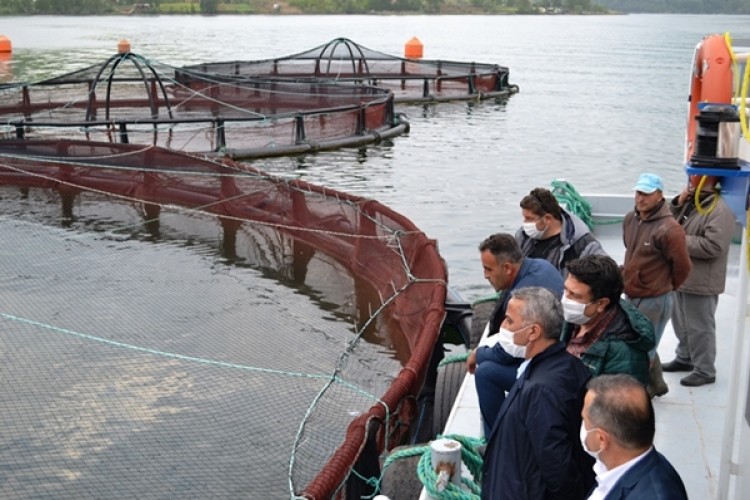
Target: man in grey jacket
(708, 237)
(551, 233)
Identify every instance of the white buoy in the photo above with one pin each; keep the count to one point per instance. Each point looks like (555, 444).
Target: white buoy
(446, 462)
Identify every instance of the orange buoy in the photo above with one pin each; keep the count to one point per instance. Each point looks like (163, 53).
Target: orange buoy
(711, 81)
(5, 45)
(413, 48)
(123, 47)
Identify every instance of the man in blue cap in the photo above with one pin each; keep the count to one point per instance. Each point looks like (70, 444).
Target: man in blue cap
(656, 263)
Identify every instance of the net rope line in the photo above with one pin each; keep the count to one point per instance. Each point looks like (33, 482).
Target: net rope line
(194, 127)
(342, 358)
(201, 210)
(393, 239)
(155, 66)
(333, 379)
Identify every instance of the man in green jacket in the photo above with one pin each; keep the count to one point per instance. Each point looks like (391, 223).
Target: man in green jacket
(607, 333)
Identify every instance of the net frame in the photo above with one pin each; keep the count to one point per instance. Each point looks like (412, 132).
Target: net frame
(130, 99)
(374, 242)
(343, 60)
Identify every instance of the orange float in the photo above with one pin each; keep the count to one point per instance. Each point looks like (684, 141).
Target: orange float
(413, 49)
(5, 46)
(711, 81)
(123, 46)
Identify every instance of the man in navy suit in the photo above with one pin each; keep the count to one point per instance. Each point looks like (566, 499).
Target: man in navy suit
(618, 431)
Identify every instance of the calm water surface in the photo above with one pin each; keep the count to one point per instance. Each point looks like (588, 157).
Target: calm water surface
(602, 99)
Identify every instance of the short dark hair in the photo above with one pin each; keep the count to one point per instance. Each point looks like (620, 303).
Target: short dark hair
(601, 274)
(621, 406)
(541, 201)
(503, 246)
(540, 306)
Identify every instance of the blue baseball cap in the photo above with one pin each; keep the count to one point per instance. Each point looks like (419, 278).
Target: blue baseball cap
(648, 183)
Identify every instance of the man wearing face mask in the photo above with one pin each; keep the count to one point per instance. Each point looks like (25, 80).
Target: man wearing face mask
(606, 332)
(533, 450)
(618, 431)
(551, 233)
(495, 360)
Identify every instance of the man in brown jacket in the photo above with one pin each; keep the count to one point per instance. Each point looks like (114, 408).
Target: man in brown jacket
(709, 235)
(656, 263)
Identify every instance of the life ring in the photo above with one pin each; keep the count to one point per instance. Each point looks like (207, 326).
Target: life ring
(711, 81)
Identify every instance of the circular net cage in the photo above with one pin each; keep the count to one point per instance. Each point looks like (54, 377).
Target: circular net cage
(410, 80)
(174, 327)
(130, 99)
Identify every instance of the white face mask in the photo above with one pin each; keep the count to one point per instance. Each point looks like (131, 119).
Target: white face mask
(505, 339)
(585, 433)
(573, 311)
(532, 232)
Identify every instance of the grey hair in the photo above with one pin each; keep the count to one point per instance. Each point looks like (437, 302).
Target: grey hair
(542, 307)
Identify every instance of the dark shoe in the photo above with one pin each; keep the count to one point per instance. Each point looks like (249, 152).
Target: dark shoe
(657, 392)
(656, 387)
(697, 380)
(677, 366)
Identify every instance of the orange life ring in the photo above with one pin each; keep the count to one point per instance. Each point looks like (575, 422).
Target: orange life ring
(711, 81)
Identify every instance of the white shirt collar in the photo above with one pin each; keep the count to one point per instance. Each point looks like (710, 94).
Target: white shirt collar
(522, 368)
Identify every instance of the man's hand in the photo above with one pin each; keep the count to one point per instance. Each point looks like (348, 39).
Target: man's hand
(471, 362)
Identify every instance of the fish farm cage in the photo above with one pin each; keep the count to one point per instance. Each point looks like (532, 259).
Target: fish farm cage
(130, 99)
(133, 367)
(410, 80)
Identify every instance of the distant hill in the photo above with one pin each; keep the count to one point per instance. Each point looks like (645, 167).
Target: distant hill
(679, 6)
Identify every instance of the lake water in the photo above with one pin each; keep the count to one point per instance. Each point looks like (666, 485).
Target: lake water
(603, 98)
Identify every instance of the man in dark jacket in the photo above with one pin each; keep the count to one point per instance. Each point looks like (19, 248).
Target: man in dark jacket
(656, 263)
(495, 361)
(618, 431)
(609, 334)
(533, 449)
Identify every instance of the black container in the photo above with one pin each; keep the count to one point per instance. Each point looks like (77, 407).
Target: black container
(717, 137)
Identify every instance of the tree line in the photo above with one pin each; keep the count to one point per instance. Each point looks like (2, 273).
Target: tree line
(94, 7)
(679, 6)
(99, 7)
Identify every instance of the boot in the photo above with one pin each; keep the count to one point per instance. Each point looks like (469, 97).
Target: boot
(656, 384)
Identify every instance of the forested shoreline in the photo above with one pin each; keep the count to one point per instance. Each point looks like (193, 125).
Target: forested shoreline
(510, 7)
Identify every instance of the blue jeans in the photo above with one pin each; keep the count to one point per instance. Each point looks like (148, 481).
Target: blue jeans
(495, 374)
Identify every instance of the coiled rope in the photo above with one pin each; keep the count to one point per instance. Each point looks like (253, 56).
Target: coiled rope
(567, 195)
(470, 456)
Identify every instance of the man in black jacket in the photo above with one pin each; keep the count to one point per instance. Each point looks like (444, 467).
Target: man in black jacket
(533, 450)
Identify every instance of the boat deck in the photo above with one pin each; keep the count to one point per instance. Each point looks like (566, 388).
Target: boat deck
(689, 421)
